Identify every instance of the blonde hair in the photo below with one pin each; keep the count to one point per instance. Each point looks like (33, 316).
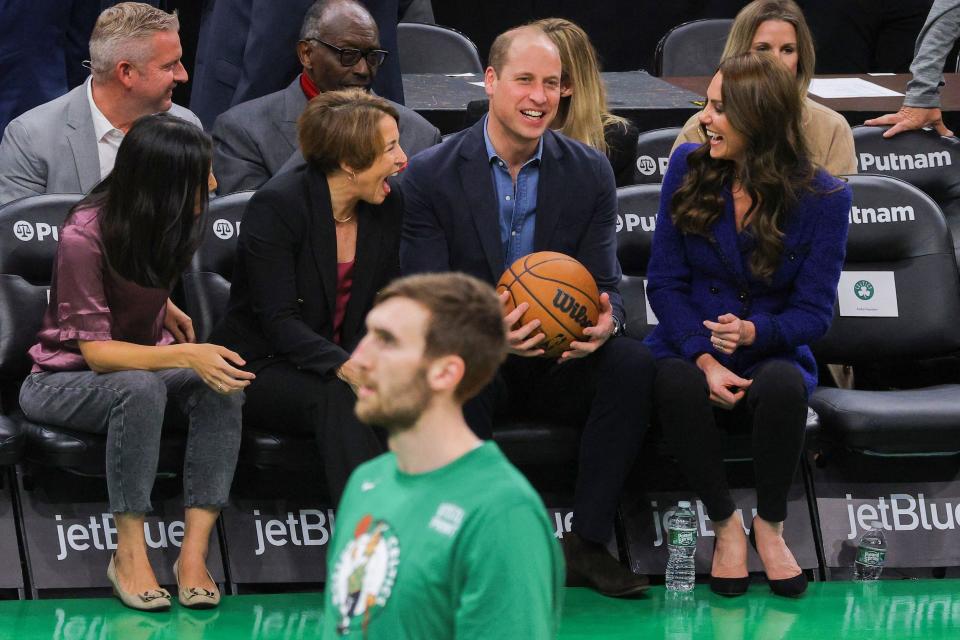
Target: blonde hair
(756, 13)
(584, 114)
(121, 33)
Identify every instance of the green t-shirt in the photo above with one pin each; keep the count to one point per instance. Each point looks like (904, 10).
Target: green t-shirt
(464, 551)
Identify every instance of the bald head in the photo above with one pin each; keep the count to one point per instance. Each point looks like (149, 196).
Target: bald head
(327, 17)
(503, 47)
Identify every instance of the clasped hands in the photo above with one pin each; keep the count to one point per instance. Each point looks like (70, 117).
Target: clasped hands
(727, 334)
(524, 340)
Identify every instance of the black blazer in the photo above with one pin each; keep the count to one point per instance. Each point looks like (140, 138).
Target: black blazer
(451, 220)
(285, 279)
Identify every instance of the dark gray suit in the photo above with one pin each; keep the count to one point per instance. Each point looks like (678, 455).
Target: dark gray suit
(254, 140)
(53, 148)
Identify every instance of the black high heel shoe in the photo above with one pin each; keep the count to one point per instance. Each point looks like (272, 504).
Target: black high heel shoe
(729, 587)
(787, 587)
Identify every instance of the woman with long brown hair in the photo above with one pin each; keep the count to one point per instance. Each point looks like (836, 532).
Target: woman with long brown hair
(747, 252)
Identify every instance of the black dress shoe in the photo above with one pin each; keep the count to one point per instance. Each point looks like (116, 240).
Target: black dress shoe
(590, 561)
(729, 587)
(787, 587)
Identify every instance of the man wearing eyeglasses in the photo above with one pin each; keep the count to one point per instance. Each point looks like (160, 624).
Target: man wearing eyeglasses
(339, 48)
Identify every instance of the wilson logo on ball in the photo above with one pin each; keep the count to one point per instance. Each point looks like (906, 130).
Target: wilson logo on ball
(559, 292)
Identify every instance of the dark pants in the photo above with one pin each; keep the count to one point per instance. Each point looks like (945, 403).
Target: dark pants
(286, 399)
(128, 406)
(607, 392)
(774, 407)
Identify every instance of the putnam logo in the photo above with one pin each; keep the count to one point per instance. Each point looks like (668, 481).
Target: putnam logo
(647, 165)
(364, 574)
(880, 215)
(27, 231)
(631, 221)
(905, 162)
(224, 229)
(566, 304)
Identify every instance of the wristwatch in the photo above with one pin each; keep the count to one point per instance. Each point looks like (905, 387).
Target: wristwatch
(618, 327)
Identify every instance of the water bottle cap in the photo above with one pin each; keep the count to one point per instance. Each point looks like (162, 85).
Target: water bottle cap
(684, 504)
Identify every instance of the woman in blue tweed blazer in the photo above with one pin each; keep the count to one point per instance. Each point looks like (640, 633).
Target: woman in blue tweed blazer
(746, 257)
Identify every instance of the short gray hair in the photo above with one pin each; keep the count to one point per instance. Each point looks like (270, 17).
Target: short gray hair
(121, 30)
(317, 14)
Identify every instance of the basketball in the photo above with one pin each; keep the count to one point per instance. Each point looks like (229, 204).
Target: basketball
(561, 293)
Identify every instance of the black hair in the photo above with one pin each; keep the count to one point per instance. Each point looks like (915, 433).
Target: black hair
(148, 220)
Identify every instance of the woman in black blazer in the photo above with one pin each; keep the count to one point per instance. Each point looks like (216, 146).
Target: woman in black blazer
(315, 246)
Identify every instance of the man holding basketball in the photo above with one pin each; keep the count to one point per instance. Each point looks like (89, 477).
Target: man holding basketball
(510, 186)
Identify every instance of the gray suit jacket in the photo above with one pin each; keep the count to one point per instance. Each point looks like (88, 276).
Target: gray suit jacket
(53, 149)
(254, 140)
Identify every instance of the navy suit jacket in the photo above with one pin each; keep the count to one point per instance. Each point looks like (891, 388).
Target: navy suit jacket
(451, 220)
(693, 278)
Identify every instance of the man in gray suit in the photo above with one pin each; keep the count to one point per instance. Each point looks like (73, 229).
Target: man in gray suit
(339, 48)
(69, 144)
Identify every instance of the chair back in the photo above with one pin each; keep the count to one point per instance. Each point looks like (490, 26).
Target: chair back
(636, 219)
(206, 283)
(29, 235)
(431, 48)
(899, 294)
(692, 48)
(925, 159)
(653, 154)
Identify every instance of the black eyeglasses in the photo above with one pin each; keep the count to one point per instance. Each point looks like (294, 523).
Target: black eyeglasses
(350, 57)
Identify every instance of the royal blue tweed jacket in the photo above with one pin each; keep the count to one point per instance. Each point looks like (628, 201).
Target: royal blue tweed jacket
(693, 278)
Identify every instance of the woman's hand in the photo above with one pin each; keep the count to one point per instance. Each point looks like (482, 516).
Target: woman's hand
(730, 332)
(178, 323)
(726, 387)
(212, 363)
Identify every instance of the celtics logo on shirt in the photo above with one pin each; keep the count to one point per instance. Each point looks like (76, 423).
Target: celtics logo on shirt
(364, 574)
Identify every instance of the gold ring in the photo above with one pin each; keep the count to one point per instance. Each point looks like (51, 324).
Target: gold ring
(219, 387)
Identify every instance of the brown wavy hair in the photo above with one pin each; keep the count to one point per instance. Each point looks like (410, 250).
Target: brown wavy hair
(762, 102)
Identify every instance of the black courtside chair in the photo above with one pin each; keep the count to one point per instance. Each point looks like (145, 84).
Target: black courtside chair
(924, 158)
(653, 154)
(692, 48)
(431, 48)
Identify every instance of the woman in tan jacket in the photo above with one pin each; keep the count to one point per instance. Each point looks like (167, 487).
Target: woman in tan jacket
(778, 26)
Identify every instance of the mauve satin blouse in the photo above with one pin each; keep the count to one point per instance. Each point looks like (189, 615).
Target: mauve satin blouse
(90, 301)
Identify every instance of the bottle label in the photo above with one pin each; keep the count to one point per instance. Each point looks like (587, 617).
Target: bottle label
(683, 537)
(871, 557)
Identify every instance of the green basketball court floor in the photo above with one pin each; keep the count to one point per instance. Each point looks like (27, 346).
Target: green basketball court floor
(928, 609)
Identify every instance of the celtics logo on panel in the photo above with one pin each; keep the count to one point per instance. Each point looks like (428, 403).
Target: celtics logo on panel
(863, 289)
(364, 575)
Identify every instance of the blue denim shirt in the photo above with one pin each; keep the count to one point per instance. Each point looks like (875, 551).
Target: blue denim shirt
(517, 204)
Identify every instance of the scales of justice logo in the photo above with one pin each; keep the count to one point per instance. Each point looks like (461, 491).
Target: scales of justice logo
(364, 574)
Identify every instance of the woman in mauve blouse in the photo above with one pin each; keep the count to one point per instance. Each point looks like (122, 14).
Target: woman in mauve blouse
(113, 350)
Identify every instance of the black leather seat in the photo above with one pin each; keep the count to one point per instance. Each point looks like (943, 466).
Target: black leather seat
(925, 159)
(431, 48)
(896, 228)
(28, 241)
(692, 48)
(653, 154)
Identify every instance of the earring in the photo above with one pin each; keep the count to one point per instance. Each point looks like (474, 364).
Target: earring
(353, 176)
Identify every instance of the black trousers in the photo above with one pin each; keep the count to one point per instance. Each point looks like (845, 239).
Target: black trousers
(288, 400)
(774, 408)
(608, 392)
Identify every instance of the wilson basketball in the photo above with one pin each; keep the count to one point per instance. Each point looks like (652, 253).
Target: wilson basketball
(561, 293)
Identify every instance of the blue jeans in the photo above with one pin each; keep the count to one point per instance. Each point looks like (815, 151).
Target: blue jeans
(128, 406)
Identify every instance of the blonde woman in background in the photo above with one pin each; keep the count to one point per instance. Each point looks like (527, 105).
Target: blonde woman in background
(778, 26)
(583, 114)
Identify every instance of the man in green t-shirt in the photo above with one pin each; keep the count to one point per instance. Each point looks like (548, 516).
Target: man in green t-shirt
(441, 537)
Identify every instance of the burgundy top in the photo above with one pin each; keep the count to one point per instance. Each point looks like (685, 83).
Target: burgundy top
(90, 301)
(344, 284)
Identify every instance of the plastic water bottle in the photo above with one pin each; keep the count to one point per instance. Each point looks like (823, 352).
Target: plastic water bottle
(871, 554)
(682, 543)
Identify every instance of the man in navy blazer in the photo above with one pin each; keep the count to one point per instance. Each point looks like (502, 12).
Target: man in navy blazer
(507, 187)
